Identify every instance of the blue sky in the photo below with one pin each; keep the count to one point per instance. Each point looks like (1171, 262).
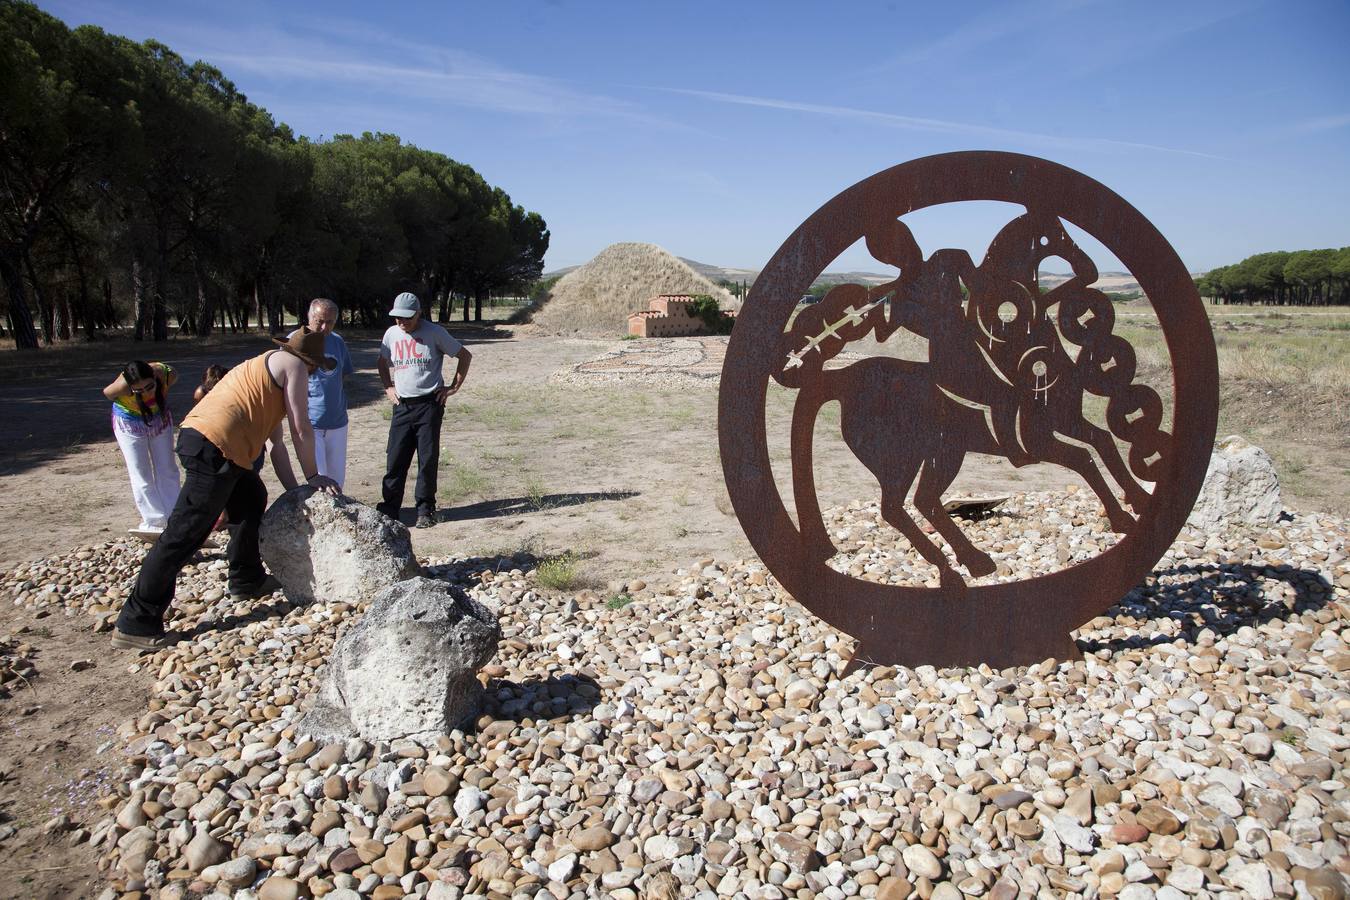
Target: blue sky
(714, 129)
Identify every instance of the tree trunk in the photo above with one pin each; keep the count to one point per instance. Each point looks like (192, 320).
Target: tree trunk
(45, 311)
(63, 321)
(276, 316)
(160, 290)
(109, 311)
(478, 305)
(142, 308)
(206, 311)
(85, 309)
(20, 318)
(438, 298)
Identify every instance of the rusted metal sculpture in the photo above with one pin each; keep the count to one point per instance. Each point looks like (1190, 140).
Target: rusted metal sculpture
(1008, 369)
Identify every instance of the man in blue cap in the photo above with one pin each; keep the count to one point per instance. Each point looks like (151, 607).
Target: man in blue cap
(411, 357)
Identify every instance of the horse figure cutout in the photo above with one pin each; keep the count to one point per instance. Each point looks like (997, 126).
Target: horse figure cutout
(1008, 371)
(999, 381)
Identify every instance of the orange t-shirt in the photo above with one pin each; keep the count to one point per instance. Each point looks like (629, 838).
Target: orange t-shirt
(241, 411)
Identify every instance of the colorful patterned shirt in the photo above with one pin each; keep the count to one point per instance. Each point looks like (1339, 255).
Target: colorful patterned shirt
(126, 407)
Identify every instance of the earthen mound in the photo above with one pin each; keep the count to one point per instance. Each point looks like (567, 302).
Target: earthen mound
(598, 297)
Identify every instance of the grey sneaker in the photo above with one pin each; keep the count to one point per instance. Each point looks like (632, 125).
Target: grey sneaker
(146, 643)
(425, 520)
(269, 585)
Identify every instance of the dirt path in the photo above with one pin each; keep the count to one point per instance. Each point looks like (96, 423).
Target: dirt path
(59, 754)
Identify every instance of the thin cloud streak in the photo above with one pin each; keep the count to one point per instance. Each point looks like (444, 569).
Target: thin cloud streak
(336, 51)
(1005, 21)
(501, 90)
(1137, 47)
(1322, 123)
(940, 126)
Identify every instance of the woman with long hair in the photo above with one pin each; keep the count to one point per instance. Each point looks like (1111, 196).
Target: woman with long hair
(143, 426)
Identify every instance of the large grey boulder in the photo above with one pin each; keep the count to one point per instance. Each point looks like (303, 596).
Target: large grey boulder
(1241, 488)
(408, 669)
(333, 548)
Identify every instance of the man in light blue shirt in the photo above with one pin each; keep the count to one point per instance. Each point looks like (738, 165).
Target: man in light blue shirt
(327, 395)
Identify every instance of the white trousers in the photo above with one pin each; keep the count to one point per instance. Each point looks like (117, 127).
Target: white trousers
(154, 473)
(330, 452)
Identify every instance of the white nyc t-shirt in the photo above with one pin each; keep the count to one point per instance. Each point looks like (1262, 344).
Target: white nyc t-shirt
(415, 359)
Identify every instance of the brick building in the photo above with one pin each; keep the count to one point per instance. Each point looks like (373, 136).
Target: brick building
(668, 315)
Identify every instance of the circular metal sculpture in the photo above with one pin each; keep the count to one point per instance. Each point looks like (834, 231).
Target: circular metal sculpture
(1008, 370)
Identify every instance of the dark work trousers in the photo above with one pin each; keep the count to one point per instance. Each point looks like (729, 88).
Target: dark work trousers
(416, 425)
(212, 484)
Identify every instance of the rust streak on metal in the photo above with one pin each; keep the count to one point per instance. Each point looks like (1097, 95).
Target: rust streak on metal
(1008, 370)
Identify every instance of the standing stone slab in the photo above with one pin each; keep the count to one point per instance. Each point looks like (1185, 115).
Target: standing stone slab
(333, 548)
(1241, 488)
(409, 667)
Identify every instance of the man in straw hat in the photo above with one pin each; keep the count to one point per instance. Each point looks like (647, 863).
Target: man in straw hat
(219, 440)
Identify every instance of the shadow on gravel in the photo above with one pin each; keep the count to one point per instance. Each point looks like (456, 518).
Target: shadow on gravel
(1222, 598)
(525, 559)
(553, 698)
(520, 506)
(273, 610)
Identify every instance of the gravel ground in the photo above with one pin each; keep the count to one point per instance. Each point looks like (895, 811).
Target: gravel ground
(694, 737)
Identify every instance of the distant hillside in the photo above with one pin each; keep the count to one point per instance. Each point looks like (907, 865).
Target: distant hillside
(1115, 282)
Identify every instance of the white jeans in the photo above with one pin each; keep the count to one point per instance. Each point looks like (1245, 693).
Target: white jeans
(330, 452)
(154, 472)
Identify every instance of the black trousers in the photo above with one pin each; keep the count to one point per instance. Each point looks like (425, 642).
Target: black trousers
(416, 426)
(212, 484)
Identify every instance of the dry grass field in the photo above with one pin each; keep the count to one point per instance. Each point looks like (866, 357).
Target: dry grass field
(626, 478)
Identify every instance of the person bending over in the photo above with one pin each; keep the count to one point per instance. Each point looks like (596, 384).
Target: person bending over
(217, 444)
(143, 427)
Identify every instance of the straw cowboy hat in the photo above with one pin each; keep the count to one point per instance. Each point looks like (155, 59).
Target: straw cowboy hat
(308, 345)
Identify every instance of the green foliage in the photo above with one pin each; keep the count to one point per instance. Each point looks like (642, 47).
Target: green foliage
(558, 573)
(737, 289)
(1298, 278)
(461, 481)
(541, 287)
(535, 493)
(714, 320)
(618, 601)
(821, 288)
(125, 165)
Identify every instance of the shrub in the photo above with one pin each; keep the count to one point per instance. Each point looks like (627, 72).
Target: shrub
(705, 307)
(558, 573)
